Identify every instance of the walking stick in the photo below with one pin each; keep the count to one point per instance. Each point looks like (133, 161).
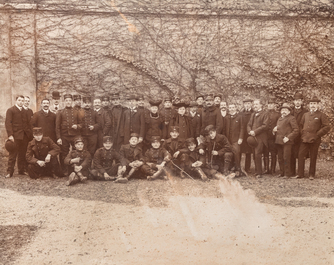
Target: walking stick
(181, 169)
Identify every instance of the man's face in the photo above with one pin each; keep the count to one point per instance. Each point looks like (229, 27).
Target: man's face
(156, 144)
(133, 141)
(298, 102)
(79, 146)
(154, 109)
(26, 102)
(208, 102)
(217, 100)
(174, 134)
(181, 111)
(232, 108)
(200, 101)
(38, 137)
(212, 134)
(105, 103)
(193, 109)
(223, 105)
(314, 106)
(68, 102)
(116, 101)
(141, 103)
(271, 106)
(192, 147)
(285, 112)
(257, 105)
(97, 103)
(20, 101)
(87, 104)
(168, 104)
(133, 103)
(107, 145)
(248, 105)
(56, 102)
(45, 104)
(77, 102)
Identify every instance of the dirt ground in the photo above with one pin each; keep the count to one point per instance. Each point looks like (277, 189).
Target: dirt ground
(179, 221)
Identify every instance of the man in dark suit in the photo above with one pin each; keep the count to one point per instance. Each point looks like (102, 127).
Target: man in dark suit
(18, 131)
(222, 110)
(245, 148)
(116, 114)
(55, 102)
(103, 115)
(46, 120)
(315, 124)
(26, 105)
(257, 131)
(195, 120)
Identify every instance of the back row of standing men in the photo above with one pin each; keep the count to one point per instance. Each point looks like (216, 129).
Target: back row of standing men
(252, 130)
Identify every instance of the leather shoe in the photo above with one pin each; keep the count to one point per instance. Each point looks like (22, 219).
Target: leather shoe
(258, 176)
(297, 177)
(23, 173)
(311, 178)
(8, 176)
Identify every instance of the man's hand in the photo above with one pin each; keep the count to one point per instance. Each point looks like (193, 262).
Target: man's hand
(252, 133)
(47, 158)
(201, 151)
(285, 139)
(176, 154)
(59, 141)
(11, 138)
(91, 127)
(275, 130)
(106, 175)
(75, 160)
(77, 168)
(140, 139)
(215, 153)
(240, 141)
(74, 126)
(121, 170)
(197, 164)
(41, 163)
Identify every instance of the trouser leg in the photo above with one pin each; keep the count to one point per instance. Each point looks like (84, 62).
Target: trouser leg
(287, 159)
(314, 147)
(280, 159)
(34, 171)
(11, 162)
(303, 151)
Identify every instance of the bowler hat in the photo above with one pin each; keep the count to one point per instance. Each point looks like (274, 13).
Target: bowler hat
(193, 104)
(247, 100)
(133, 97)
(252, 141)
(209, 97)
(37, 131)
(285, 106)
(180, 104)
(218, 96)
(55, 95)
(272, 100)
(200, 96)
(115, 96)
(314, 99)
(298, 95)
(10, 146)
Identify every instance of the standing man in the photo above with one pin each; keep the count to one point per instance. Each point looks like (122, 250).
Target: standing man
(68, 126)
(116, 114)
(217, 99)
(103, 117)
(245, 148)
(19, 132)
(315, 124)
(46, 120)
(55, 99)
(26, 105)
(298, 111)
(195, 120)
(257, 131)
(223, 115)
(210, 116)
(200, 103)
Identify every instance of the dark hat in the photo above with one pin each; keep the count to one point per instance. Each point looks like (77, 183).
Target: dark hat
(209, 97)
(174, 128)
(199, 96)
(107, 139)
(76, 97)
(218, 96)
(133, 97)
(86, 99)
(252, 141)
(10, 146)
(78, 139)
(37, 131)
(209, 128)
(248, 100)
(115, 96)
(180, 104)
(298, 95)
(193, 104)
(285, 106)
(55, 95)
(155, 139)
(134, 135)
(272, 100)
(314, 99)
(190, 141)
(168, 99)
(68, 96)
(105, 98)
(155, 102)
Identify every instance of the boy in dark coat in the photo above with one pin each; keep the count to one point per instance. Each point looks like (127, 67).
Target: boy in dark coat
(79, 161)
(286, 131)
(42, 155)
(155, 160)
(104, 167)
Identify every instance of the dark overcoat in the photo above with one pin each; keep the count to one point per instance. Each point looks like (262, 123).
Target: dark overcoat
(286, 127)
(39, 150)
(47, 121)
(314, 126)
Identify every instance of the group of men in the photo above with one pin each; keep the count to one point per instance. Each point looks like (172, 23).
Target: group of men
(101, 139)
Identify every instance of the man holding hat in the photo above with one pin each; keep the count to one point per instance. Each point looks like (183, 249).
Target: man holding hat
(55, 99)
(315, 124)
(42, 155)
(68, 126)
(286, 131)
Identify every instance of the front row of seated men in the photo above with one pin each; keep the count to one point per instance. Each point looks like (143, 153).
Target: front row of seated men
(211, 159)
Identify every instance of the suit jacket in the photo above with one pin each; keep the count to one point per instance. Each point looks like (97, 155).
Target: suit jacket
(39, 150)
(314, 126)
(65, 119)
(103, 117)
(234, 128)
(132, 122)
(17, 123)
(245, 148)
(259, 124)
(298, 114)
(273, 116)
(222, 128)
(286, 127)
(195, 122)
(47, 121)
(211, 116)
(131, 153)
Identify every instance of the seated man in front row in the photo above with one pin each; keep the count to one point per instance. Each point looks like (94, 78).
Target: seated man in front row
(133, 155)
(42, 156)
(103, 168)
(219, 152)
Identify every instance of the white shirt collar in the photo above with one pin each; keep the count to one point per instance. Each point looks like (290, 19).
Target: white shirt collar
(46, 111)
(20, 108)
(25, 107)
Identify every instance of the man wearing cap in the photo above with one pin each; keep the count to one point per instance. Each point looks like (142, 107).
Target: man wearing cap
(246, 113)
(257, 129)
(90, 126)
(286, 131)
(298, 111)
(107, 162)
(217, 99)
(166, 113)
(200, 103)
(195, 120)
(105, 102)
(68, 125)
(19, 132)
(55, 99)
(103, 117)
(315, 124)
(181, 121)
(210, 116)
(133, 121)
(273, 116)
(46, 120)
(42, 155)
(116, 114)
(141, 106)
